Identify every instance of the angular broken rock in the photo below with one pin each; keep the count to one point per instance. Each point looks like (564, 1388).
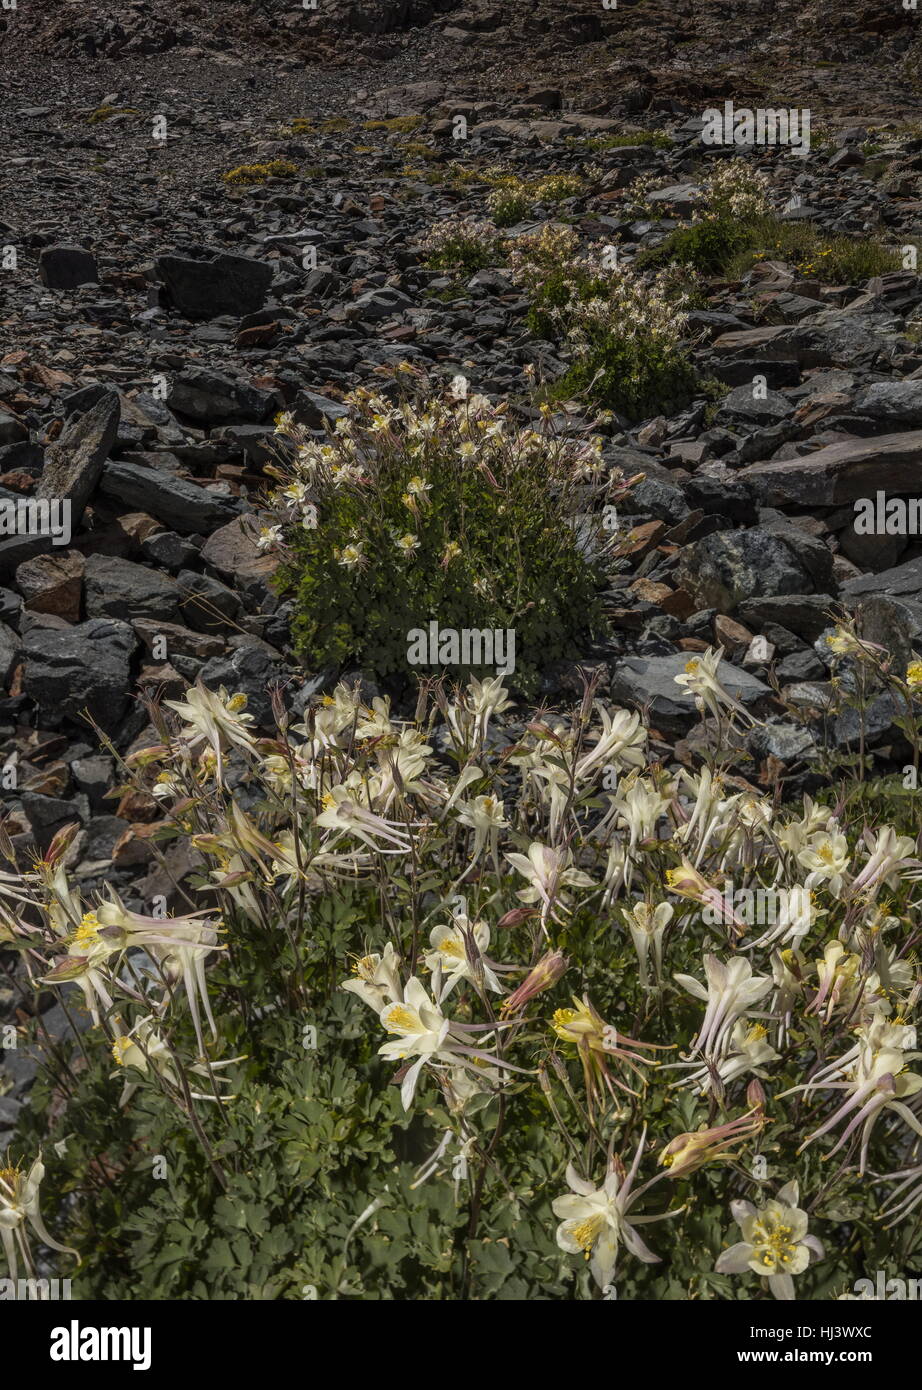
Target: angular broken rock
(74, 463)
(232, 553)
(895, 402)
(117, 588)
(726, 568)
(903, 581)
(53, 584)
(10, 649)
(205, 284)
(841, 472)
(183, 505)
(66, 267)
(69, 670)
(170, 638)
(209, 398)
(806, 615)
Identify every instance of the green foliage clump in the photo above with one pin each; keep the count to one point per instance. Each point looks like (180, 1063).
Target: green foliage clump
(440, 511)
(623, 334)
(738, 229)
(463, 244)
(259, 173)
(105, 113)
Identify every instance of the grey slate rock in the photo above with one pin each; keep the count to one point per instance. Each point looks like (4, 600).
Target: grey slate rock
(902, 581)
(169, 551)
(93, 775)
(649, 681)
(206, 283)
(206, 604)
(806, 615)
(179, 504)
(724, 569)
(49, 814)
(116, 588)
(74, 463)
(86, 666)
(65, 267)
(896, 403)
(10, 649)
(788, 742)
(741, 405)
(209, 398)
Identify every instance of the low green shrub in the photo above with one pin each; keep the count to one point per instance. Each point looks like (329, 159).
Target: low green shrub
(440, 509)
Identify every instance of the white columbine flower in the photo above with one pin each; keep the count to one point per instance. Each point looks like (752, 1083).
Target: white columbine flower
(700, 679)
(448, 959)
(647, 925)
(826, 857)
(731, 990)
(548, 872)
(377, 979)
(421, 1030)
(595, 1220)
(775, 1243)
(18, 1205)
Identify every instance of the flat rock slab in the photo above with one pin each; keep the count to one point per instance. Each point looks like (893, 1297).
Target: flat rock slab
(841, 472)
(87, 667)
(903, 581)
(206, 284)
(74, 464)
(180, 504)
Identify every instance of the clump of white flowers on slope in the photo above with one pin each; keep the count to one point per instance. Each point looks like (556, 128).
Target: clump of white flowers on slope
(561, 950)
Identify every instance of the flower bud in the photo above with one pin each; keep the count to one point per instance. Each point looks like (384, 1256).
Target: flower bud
(544, 975)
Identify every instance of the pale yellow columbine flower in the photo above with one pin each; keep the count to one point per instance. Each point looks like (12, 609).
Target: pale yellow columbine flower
(620, 743)
(144, 1047)
(646, 925)
(914, 676)
(701, 681)
(826, 856)
(215, 719)
(843, 643)
(597, 1043)
(732, 989)
(548, 872)
(448, 959)
(595, 1221)
(421, 1030)
(485, 815)
(269, 538)
(19, 1194)
(875, 1076)
(749, 1053)
(408, 543)
(377, 979)
(775, 1243)
(688, 1152)
(451, 552)
(351, 556)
